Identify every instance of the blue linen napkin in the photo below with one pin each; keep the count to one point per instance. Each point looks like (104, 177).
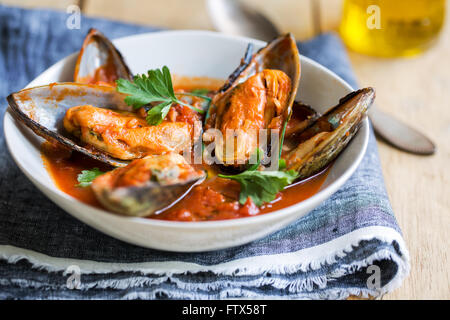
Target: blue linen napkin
(44, 253)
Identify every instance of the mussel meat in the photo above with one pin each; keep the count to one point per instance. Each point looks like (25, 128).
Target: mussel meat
(258, 95)
(96, 121)
(124, 135)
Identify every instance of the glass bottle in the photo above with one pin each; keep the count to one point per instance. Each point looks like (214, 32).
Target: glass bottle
(391, 28)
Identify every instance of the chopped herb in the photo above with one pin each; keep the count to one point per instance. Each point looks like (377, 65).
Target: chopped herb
(261, 186)
(156, 86)
(86, 177)
(282, 136)
(157, 114)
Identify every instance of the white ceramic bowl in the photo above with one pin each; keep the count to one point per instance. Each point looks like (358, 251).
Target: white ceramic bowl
(202, 53)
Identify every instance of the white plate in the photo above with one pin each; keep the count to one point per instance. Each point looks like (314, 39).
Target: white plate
(188, 53)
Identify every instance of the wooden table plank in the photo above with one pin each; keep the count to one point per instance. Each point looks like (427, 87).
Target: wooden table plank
(330, 14)
(180, 14)
(173, 14)
(52, 4)
(288, 15)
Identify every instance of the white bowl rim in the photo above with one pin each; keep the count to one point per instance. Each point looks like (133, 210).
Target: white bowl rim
(318, 197)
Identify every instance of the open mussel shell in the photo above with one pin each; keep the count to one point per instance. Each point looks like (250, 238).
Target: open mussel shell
(100, 61)
(42, 109)
(322, 142)
(302, 117)
(279, 54)
(166, 185)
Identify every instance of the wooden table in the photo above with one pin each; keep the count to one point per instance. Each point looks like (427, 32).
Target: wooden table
(416, 90)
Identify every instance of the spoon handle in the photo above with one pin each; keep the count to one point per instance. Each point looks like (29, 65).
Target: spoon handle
(399, 134)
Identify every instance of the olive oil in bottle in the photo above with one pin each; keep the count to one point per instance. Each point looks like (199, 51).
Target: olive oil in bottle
(391, 28)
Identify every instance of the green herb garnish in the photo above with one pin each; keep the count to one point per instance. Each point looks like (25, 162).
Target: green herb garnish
(156, 86)
(283, 132)
(86, 177)
(157, 114)
(261, 186)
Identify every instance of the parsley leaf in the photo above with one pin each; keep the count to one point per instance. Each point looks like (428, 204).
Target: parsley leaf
(157, 114)
(86, 177)
(283, 132)
(156, 86)
(261, 186)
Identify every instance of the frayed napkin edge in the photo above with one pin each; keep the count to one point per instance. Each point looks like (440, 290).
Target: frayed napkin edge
(259, 265)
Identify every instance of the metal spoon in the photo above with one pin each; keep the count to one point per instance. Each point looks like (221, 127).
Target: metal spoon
(234, 17)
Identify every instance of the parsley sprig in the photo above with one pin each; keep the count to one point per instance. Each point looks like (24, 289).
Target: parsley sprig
(86, 177)
(156, 86)
(262, 186)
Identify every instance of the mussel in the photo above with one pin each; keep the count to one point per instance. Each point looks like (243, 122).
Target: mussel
(43, 109)
(258, 95)
(89, 116)
(99, 62)
(96, 121)
(325, 138)
(146, 185)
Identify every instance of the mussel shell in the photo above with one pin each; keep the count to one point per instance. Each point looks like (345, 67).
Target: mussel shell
(97, 51)
(307, 115)
(323, 141)
(245, 62)
(279, 54)
(42, 109)
(143, 200)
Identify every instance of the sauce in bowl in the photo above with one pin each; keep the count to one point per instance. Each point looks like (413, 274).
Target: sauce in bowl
(215, 199)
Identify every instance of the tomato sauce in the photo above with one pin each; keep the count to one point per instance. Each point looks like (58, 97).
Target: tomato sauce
(217, 199)
(64, 168)
(214, 199)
